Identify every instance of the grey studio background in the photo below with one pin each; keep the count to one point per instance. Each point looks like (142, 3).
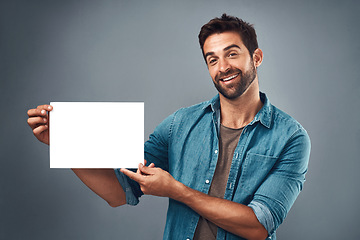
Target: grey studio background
(148, 51)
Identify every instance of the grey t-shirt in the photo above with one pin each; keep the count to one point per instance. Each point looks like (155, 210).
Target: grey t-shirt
(228, 140)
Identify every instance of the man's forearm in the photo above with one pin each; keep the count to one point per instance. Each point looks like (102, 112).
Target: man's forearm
(233, 217)
(104, 183)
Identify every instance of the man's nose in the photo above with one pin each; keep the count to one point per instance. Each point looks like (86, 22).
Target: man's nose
(224, 65)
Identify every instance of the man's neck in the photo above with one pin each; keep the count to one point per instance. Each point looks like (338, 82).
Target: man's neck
(237, 113)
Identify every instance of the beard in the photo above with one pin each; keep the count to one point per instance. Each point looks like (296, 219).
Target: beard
(235, 89)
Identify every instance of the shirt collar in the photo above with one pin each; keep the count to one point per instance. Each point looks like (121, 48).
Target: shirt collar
(214, 103)
(264, 115)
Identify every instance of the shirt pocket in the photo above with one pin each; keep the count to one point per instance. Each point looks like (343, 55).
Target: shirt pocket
(255, 170)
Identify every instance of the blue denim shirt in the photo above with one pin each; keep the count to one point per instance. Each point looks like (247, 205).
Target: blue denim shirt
(267, 171)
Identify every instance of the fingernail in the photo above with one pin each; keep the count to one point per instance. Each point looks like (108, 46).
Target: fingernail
(44, 119)
(49, 107)
(42, 111)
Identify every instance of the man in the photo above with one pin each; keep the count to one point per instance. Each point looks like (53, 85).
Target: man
(231, 167)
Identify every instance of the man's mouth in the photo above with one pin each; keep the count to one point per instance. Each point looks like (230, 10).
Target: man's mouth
(229, 78)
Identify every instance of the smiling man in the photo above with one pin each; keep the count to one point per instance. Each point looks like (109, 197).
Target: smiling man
(231, 167)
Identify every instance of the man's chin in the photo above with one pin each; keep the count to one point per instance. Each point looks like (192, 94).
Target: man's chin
(230, 96)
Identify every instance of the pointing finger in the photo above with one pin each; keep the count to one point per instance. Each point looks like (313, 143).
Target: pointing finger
(134, 176)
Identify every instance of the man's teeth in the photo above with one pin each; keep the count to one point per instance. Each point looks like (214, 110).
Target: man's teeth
(231, 77)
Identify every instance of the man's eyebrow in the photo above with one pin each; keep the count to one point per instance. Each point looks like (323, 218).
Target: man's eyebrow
(225, 49)
(209, 54)
(231, 46)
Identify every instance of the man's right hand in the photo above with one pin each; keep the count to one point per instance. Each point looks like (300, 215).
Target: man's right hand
(102, 181)
(39, 122)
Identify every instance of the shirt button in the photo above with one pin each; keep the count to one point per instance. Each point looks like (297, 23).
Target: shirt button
(216, 151)
(207, 181)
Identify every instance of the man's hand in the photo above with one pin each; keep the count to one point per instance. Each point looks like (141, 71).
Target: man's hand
(153, 181)
(39, 122)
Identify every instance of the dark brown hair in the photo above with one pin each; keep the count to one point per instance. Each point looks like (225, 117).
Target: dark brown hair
(230, 24)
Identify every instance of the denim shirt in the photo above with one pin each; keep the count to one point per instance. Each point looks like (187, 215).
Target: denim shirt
(267, 171)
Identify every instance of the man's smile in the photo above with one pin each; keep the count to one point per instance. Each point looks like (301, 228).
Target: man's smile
(229, 78)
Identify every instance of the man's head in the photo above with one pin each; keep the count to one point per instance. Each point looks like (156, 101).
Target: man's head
(231, 60)
(230, 24)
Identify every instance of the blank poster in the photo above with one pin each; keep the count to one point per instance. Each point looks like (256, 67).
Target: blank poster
(96, 134)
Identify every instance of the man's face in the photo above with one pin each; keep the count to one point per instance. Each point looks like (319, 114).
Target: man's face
(230, 65)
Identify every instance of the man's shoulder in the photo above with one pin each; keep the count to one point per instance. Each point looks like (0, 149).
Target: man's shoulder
(282, 120)
(196, 109)
(283, 117)
(185, 116)
(275, 118)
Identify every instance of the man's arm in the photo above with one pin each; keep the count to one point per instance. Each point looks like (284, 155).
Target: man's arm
(104, 183)
(233, 217)
(101, 181)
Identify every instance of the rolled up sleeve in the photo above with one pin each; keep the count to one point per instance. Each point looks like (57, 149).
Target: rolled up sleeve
(131, 188)
(264, 215)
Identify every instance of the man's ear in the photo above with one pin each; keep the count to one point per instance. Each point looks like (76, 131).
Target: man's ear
(257, 57)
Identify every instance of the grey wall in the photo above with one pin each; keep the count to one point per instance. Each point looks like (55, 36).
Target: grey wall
(148, 51)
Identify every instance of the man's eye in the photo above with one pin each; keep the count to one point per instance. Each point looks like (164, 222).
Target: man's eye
(232, 54)
(212, 61)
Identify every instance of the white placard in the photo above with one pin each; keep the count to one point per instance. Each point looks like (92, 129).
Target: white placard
(96, 134)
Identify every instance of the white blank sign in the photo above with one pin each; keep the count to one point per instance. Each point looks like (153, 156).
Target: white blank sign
(96, 134)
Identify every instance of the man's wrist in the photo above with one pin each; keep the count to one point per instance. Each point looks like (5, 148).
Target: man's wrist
(177, 191)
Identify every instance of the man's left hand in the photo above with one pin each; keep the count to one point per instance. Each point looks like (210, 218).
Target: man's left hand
(153, 181)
